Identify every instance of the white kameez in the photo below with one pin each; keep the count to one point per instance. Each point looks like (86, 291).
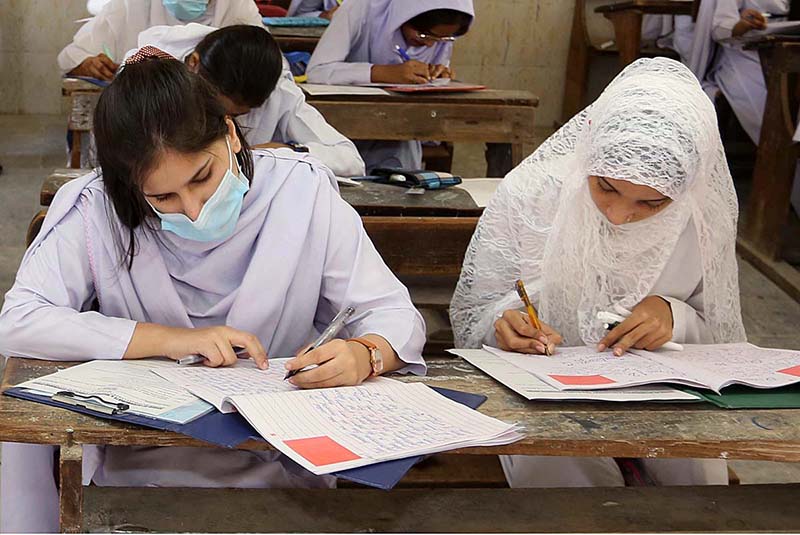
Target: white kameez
(284, 117)
(118, 25)
(297, 246)
(652, 126)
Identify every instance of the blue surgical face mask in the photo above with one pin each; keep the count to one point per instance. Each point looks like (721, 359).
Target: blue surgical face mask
(186, 10)
(220, 213)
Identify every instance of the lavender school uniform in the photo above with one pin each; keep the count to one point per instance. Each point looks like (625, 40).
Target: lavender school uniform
(299, 253)
(364, 33)
(310, 8)
(284, 117)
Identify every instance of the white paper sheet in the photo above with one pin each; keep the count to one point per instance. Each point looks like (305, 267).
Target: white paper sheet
(326, 89)
(218, 385)
(532, 388)
(126, 381)
(328, 430)
(480, 189)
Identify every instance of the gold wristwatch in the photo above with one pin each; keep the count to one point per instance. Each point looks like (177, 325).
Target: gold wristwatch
(375, 356)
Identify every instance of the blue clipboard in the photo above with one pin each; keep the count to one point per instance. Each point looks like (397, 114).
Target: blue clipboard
(230, 430)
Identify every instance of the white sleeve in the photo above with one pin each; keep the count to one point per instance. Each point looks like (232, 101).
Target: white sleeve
(94, 37)
(242, 12)
(356, 275)
(726, 15)
(46, 313)
(688, 323)
(302, 123)
(329, 63)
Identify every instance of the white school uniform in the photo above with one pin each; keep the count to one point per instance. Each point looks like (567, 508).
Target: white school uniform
(310, 8)
(297, 246)
(119, 23)
(284, 117)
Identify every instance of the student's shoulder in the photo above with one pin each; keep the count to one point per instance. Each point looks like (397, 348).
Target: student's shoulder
(298, 169)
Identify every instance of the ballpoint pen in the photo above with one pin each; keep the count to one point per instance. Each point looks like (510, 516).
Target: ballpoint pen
(326, 336)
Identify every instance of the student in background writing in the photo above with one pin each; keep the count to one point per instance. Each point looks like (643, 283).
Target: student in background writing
(313, 8)
(189, 243)
(246, 66)
(361, 46)
(104, 40)
(630, 206)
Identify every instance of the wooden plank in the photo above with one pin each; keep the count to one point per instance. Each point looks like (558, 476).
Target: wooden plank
(627, 33)
(650, 7)
(70, 488)
(440, 252)
(388, 200)
(451, 471)
(652, 430)
(488, 97)
(783, 274)
(756, 508)
(457, 122)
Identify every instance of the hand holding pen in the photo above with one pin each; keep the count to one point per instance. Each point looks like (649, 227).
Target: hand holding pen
(325, 336)
(524, 332)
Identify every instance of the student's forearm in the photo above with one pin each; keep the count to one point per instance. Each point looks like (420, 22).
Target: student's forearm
(150, 340)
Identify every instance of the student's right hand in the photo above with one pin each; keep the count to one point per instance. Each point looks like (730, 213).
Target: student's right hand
(216, 344)
(99, 66)
(750, 19)
(514, 332)
(410, 72)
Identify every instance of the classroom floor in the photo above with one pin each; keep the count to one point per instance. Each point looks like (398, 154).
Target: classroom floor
(32, 145)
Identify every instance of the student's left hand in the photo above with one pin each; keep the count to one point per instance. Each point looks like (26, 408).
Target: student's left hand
(441, 71)
(339, 363)
(329, 14)
(648, 327)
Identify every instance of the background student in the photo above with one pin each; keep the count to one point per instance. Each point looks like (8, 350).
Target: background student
(629, 207)
(245, 63)
(361, 46)
(188, 243)
(102, 42)
(314, 8)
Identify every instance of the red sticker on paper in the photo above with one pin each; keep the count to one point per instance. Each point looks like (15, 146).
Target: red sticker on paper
(321, 451)
(583, 379)
(794, 370)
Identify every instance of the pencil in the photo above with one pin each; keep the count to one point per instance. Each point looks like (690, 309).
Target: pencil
(520, 286)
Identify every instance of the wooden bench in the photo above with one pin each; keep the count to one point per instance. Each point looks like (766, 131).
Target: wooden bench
(297, 39)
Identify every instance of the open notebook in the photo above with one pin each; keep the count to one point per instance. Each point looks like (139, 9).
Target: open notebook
(701, 366)
(334, 429)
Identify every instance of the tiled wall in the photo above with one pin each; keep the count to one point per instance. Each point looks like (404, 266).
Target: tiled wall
(32, 33)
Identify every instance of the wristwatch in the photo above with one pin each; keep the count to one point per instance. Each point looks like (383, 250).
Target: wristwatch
(375, 356)
(297, 147)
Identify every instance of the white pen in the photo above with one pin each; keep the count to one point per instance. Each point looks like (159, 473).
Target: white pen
(611, 320)
(326, 336)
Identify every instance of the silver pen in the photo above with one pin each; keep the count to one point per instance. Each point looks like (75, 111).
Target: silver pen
(326, 336)
(197, 359)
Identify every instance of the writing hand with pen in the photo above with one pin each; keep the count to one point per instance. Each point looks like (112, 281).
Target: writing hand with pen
(749, 19)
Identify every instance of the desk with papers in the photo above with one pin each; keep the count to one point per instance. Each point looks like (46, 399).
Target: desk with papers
(694, 430)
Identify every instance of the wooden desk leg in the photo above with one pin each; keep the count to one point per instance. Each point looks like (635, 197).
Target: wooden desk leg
(628, 34)
(577, 77)
(768, 207)
(71, 489)
(499, 159)
(75, 150)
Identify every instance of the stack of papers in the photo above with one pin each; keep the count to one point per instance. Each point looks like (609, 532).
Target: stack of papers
(509, 369)
(700, 366)
(327, 89)
(103, 382)
(334, 429)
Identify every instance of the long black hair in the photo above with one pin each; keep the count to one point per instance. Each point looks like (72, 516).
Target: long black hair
(243, 62)
(151, 106)
(426, 21)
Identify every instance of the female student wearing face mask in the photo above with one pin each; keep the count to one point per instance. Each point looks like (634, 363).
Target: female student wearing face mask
(191, 244)
(361, 46)
(246, 67)
(102, 42)
(629, 207)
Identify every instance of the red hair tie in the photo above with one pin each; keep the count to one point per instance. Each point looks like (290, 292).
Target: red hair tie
(145, 53)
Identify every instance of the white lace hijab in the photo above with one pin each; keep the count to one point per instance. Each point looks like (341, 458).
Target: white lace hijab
(653, 126)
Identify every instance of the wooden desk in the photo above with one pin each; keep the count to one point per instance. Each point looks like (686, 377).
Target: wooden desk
(584, 429)
(297, 39)
(83, 100)
(489, 116)
(767, 211)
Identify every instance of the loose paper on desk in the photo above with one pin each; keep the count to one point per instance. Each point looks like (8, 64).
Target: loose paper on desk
(130, 382)
(531, 387)
(331, 429)
(326, 89)
(701, 366)
(480, 189)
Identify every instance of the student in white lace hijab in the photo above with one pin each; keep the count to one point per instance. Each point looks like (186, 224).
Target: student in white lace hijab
(628, 208)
